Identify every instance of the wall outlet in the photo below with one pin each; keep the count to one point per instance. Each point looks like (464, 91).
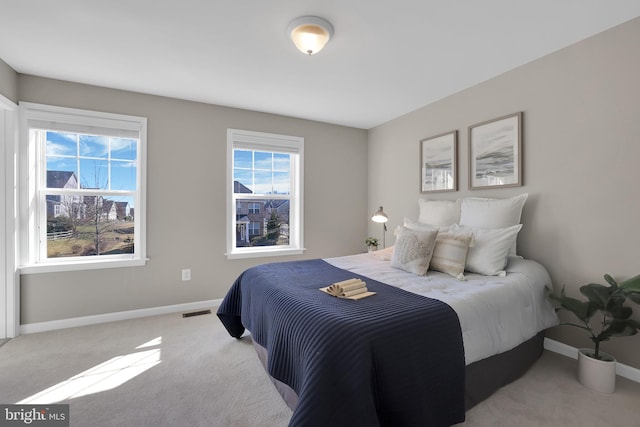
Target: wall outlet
(186, 274)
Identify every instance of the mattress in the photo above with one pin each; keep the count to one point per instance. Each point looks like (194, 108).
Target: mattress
(496, 313)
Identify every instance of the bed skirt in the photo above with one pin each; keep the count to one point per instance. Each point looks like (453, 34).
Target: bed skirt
(482, 378)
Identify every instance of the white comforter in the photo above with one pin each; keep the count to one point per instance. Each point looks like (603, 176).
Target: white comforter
(496, 313)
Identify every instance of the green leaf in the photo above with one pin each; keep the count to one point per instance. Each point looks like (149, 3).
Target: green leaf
(610, 280)
(597, 294)
(631, 285)
(618, 310)
(581, 309)
(622, 328)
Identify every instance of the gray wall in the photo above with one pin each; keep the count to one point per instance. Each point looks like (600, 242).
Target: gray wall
(186, 202)
(581, 148)
(8, 81)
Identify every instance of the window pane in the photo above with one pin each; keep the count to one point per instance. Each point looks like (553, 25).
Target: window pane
(263, 160)
(281, 162)
(61, 173)
(242, 159)
(94, 146)
(263, 184)
(61, 144)
(281, 183)
(123, 175)
(262, 222)
(124, 149)
(89, 226)
(94, 173)
(243, 181)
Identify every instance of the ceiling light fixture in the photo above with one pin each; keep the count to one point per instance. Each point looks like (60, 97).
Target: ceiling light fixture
(310, 33)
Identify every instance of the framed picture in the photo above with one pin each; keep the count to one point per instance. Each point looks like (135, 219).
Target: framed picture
(438, 163)
(495, 153)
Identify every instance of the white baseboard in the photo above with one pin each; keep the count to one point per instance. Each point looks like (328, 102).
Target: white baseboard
(31, 328)
(623, 370)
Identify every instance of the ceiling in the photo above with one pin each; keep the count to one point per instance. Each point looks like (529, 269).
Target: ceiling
(385, 59)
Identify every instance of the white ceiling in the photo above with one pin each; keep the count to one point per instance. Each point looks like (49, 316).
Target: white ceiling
(386, 58)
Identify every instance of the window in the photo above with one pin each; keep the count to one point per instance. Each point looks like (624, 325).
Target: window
(83, 186)
(254, 208)
(254, 228)
(264, 194)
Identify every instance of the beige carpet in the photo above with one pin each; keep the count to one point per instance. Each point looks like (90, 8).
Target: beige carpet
(170, 371)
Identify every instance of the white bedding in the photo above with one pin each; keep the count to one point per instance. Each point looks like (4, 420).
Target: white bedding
(496, 313)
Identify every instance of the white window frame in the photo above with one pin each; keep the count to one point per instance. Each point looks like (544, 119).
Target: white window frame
(250, 140)
(32, 179)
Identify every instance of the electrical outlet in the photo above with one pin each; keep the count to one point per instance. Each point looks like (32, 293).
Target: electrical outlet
(186, 274)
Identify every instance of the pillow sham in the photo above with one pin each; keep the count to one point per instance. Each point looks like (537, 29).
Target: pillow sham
(439, 212)
(420, 226)
(413, 250)
(492, 213)
(490, 250)
(450, 253)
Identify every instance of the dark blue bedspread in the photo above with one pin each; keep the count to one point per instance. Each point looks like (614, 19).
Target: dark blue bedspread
(392, 359)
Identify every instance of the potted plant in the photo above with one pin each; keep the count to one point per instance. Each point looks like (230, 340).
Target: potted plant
(596, 369)
(372, 243)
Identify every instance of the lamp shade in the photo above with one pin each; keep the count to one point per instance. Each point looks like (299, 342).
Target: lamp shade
(310, 33)
(380, 216)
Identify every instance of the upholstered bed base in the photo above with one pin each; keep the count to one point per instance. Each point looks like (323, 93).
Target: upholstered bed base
(483, 377)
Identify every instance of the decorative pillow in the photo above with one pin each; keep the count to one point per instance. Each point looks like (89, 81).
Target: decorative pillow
(492, 213)
(450, 253)
(439, 212)
(490, 250)
(413, 250)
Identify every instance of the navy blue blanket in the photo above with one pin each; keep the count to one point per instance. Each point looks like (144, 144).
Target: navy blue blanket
(391, 359)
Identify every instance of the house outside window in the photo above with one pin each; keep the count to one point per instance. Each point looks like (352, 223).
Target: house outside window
(264, 213)
(83, 178)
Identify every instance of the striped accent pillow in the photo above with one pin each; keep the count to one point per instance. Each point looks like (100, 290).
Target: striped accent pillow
(450, 253)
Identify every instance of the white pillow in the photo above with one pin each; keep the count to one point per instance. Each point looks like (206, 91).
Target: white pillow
(450, 253)
(413, 250)
(490, 251)
(439, 212)
(492, 213)
(420, 226)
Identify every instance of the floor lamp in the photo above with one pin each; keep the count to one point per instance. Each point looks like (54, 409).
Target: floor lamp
(381, 217)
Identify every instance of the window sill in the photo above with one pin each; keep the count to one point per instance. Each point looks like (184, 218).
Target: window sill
(264, 253)
(54, 267)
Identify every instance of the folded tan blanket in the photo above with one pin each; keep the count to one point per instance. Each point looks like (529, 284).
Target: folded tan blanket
(351, 289)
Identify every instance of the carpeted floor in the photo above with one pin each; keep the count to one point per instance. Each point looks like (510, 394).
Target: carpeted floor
(173, 371)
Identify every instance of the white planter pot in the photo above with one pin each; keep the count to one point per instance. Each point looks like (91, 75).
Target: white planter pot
(372, 248)
(598, 375)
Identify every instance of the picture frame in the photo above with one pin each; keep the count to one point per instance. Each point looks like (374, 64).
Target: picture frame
(439, 163)
(495, 153)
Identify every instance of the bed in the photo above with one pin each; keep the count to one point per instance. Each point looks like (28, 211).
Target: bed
(497, 320)
(456, 314)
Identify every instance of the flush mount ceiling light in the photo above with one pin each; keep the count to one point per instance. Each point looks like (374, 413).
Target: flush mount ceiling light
(310, 33)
